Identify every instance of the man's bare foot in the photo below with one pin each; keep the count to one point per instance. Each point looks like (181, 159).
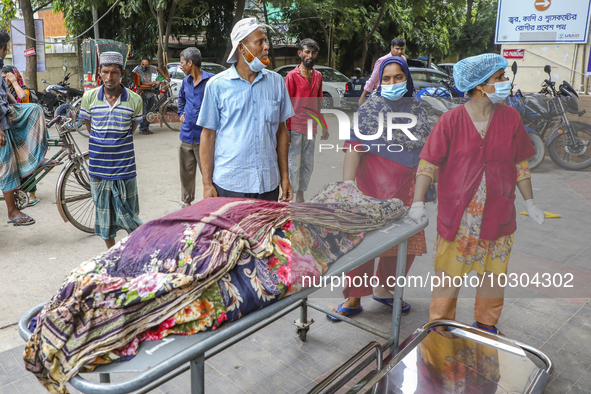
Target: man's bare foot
(49, 163)
(23, 218)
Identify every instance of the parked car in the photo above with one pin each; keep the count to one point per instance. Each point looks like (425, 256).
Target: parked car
(333, 84)
(177, 75)
(423, 64)
(422, 78)
(448, 67)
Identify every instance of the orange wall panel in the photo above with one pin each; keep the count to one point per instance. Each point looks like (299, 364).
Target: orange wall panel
(54, 25)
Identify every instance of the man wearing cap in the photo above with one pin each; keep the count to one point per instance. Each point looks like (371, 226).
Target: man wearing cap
(112, 113)
(244, 143)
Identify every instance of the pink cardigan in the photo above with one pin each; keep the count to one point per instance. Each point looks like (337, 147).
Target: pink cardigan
(463, 156)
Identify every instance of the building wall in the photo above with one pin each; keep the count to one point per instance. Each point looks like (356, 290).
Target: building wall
(560, 57)
(55, 73)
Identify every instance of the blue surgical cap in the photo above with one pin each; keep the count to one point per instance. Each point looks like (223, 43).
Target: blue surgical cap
(475, 70)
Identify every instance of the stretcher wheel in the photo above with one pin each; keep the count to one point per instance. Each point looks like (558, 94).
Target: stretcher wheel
(301, 332)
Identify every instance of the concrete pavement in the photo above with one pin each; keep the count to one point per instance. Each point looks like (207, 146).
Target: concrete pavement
(34, 260)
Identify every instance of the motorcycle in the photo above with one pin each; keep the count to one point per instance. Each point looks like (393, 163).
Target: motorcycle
(516, 101)
(568, 141)
(437, 105)
(47, 100)
(56, 99)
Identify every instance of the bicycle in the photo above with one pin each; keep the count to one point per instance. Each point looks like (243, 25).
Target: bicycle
(73, 198)
(166, 107)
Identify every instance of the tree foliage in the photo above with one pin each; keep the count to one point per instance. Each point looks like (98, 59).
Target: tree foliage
(430, 27)
(345, 29)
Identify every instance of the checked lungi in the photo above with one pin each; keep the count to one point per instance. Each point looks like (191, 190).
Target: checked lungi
(26, 145)
(117, 206)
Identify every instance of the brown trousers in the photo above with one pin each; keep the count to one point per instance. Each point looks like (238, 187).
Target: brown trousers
(188, 162)
(488, 305)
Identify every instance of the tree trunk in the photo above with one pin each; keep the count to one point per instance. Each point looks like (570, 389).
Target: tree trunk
(468, 22)
(159, 16)
(237, 16)
(161, 60)
(370, 35)
(470, 6)
(270, 38)
(325, 34)
(168, 30)
(30, 73)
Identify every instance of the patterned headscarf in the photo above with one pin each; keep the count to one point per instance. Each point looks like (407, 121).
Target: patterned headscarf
(17, 74)
(19, 80)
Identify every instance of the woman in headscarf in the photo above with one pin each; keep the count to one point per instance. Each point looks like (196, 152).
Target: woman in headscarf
(385, 169)
(481, 149)
(15, 83)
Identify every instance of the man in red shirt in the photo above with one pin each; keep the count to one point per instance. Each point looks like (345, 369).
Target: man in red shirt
(304, 85)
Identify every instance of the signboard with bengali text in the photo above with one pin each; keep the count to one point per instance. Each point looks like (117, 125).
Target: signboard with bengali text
(542, 21)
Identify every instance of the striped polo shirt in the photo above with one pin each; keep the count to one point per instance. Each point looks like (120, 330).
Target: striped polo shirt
(111, 140)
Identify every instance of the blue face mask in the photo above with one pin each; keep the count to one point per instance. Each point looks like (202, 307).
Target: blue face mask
(256, 65)
(394, 92)
(502, 90)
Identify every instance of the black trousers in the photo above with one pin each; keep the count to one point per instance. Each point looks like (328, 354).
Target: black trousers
(273, 195)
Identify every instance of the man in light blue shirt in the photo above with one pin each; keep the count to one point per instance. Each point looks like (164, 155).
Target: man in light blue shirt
(244, 143)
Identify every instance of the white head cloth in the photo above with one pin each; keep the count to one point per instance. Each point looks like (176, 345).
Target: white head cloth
(240, 31)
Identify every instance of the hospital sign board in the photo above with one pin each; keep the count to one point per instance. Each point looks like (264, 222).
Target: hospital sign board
(542, 21)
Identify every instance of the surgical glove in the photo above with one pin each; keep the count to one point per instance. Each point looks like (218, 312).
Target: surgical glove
(418, 211)
(534, 212)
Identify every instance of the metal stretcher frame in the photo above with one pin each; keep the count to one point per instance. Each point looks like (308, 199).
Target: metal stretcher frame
(345, 373)
(160, 361)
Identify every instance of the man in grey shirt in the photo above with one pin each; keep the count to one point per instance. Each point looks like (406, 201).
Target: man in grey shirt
(148, 75)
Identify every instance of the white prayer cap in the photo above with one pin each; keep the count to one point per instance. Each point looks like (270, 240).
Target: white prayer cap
(111, 58)
(240, 31)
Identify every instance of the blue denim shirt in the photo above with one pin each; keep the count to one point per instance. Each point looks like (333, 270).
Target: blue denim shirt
(246, 117)
(190, 98)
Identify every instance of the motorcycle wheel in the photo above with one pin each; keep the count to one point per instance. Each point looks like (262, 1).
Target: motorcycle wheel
(572, 157)
(536, 159)
(61, 110)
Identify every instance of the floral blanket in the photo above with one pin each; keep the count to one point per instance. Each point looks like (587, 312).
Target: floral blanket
(190, 271)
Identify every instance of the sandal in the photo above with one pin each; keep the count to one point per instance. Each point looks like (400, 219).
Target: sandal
(389, 301)
(15, 223)
(347, 312)
(491, 330)
(34, 202)
(146, 132)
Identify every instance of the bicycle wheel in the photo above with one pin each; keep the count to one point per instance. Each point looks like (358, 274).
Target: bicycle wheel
(74, 195)
(168, 113)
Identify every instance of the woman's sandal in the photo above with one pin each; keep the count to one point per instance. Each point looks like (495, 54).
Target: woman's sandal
(347, 312)
(491, 330)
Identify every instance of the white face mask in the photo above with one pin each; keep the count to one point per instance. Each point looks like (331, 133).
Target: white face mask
(256, 65)
(502, 91)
